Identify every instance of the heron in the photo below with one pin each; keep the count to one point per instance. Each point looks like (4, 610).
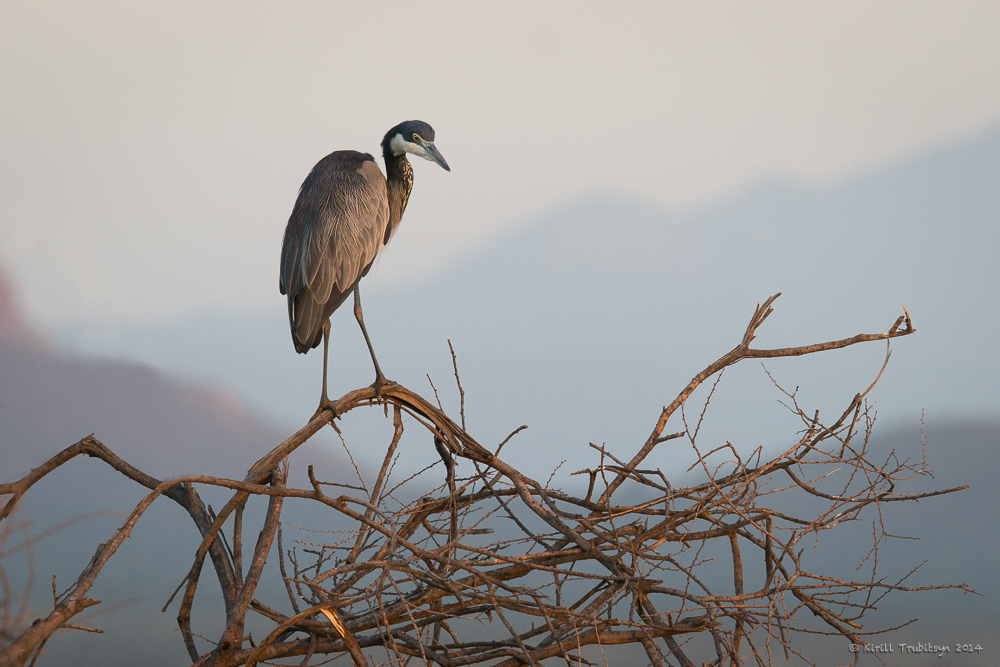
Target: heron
(346, 211)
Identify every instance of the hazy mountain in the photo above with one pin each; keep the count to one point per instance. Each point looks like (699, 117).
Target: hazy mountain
(957, 536)
(584, 324)
(50, 400)
(953, 539)
(13, 328)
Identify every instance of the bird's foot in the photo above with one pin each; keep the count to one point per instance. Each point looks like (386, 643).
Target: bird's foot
(325, 404)
(379, 383)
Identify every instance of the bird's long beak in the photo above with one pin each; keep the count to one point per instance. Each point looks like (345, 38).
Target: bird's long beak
(433, 154)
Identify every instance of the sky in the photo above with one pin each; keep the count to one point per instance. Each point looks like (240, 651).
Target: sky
(151, 152)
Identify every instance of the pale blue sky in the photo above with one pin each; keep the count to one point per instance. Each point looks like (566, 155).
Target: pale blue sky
(151, 152)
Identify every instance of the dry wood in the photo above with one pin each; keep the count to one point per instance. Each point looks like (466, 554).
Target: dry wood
(498, 568)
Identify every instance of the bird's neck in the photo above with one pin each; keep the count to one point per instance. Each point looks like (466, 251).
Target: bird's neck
(399, 182)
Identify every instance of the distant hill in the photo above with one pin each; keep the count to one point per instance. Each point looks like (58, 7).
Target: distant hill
(957, 535)
(49, 400)
(13, 327)
(585, 323)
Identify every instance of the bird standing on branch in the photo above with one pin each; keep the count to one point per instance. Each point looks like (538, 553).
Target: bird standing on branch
(345, 212)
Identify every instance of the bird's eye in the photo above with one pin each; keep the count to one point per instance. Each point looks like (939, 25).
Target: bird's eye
(416, 137)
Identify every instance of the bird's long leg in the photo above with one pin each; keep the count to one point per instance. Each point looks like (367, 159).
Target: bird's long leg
(326, 359)
(324, 400)
(379, 378)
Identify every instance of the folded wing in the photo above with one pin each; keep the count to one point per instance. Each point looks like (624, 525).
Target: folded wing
(335, 231)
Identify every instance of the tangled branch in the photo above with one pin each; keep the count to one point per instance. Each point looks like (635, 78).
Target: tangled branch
(494, 567)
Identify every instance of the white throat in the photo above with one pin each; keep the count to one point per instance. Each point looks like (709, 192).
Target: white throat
(398, 145)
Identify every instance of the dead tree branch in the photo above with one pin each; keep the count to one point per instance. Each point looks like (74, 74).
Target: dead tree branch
(498, 568)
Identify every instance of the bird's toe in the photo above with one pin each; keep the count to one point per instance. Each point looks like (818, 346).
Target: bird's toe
(325, 404)
(380, 383)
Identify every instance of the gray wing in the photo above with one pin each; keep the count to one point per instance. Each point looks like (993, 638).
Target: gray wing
(334, 233)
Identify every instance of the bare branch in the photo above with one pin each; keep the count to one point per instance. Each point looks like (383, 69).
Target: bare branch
(414, 572)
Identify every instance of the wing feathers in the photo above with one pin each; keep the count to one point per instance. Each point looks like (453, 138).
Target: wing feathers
(334, 233)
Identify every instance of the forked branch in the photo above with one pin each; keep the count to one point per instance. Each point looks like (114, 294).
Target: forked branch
(494, 567)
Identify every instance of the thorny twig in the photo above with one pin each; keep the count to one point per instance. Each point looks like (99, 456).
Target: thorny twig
(423, 575)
